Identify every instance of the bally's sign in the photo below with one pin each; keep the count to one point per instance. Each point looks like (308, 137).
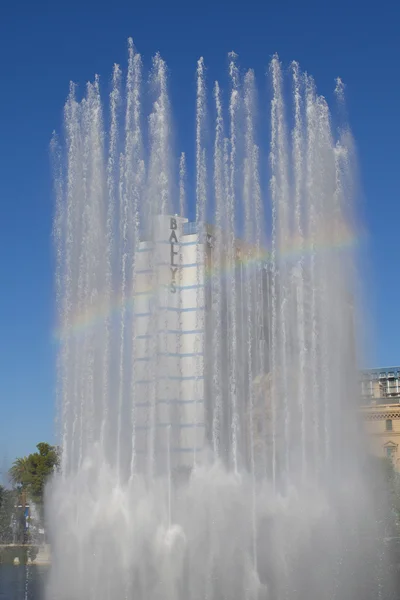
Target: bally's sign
(173, 241)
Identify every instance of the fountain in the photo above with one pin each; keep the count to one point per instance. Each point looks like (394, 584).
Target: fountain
(206, 371)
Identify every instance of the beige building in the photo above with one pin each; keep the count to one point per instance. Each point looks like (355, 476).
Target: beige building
(380, 409)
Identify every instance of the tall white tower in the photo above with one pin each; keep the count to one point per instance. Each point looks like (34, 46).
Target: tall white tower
(169, 310)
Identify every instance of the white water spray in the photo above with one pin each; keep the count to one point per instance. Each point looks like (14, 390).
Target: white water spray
(205, 369)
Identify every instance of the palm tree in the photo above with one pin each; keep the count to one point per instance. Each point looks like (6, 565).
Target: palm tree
(19, 472)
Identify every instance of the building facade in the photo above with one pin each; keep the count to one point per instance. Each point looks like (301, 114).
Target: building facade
(174, 314)
(380, 410)
(169, 344)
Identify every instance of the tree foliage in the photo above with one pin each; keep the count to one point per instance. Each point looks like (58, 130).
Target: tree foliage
(384, 484)
(7, 502)
(19, 472)
(31, 473)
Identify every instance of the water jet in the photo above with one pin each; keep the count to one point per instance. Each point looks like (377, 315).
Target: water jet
(206, 370)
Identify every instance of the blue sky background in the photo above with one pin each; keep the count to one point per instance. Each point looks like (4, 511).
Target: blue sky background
(43, 45)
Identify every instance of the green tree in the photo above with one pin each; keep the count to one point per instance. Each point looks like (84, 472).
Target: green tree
(20, 472)
(42, 465)
(385, 487)
(30, 474)
(7, 503)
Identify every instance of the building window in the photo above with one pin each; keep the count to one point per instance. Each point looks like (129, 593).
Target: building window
(390, 452)
(389, 425)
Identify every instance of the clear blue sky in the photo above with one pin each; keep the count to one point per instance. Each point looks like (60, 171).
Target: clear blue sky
(43, 45)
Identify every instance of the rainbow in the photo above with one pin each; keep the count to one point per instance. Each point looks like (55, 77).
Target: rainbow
(296, 249)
